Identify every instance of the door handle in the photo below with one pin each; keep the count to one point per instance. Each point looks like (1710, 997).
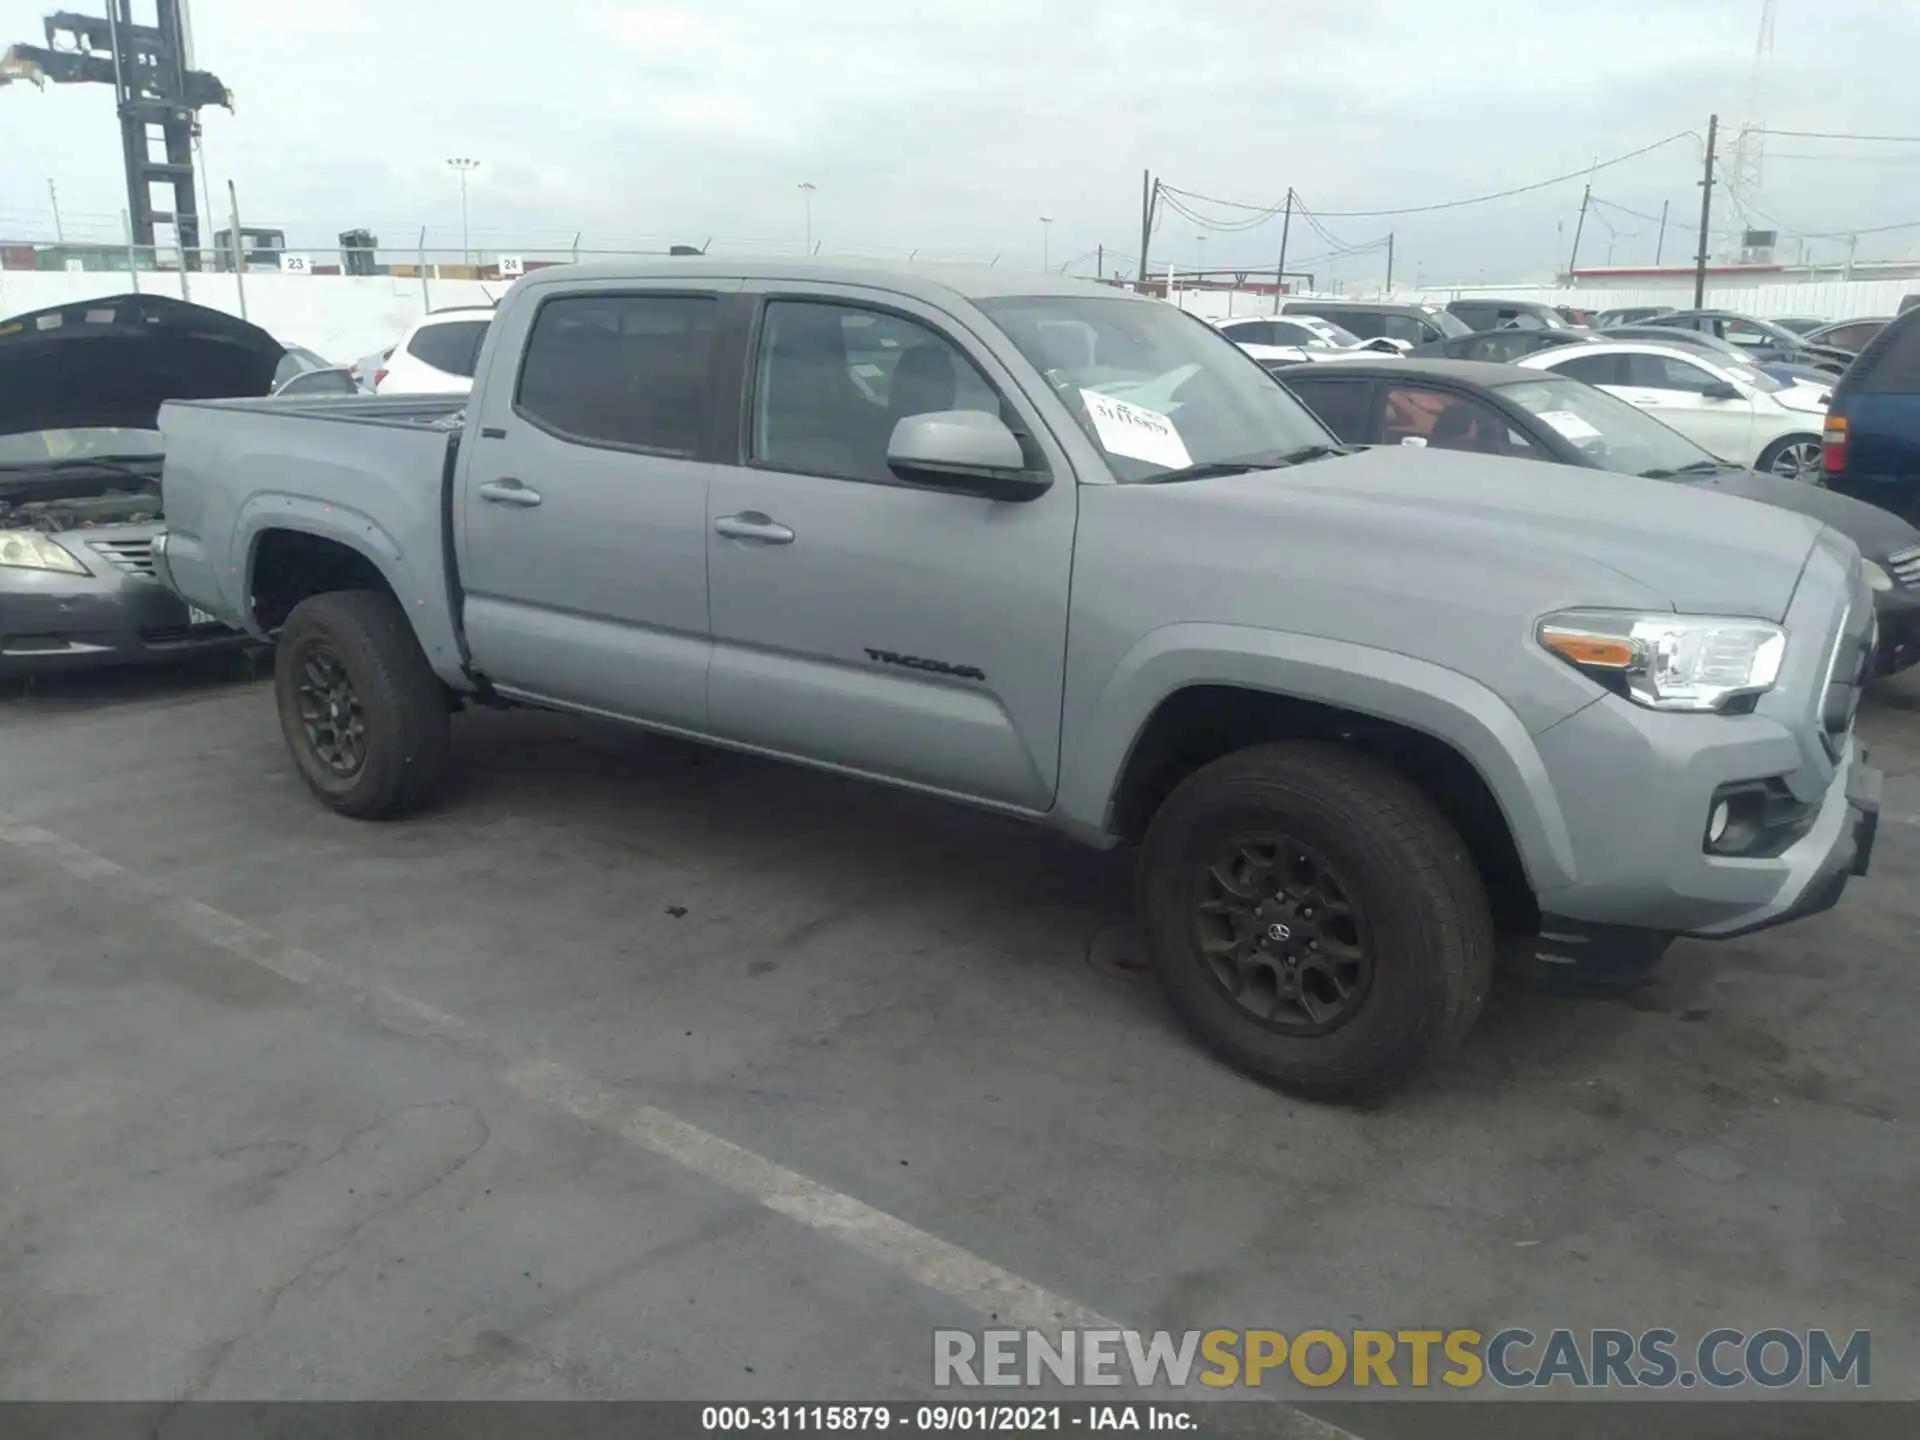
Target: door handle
(752, 525)
(509, 491)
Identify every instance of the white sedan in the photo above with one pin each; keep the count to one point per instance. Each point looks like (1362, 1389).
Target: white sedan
(1302, 337)
(1722, 404)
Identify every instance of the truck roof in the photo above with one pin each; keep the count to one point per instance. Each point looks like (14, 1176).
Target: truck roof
(923, 280)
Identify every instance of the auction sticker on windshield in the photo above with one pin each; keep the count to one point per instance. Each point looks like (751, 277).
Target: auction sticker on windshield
(1570, 425)
(1136, 432)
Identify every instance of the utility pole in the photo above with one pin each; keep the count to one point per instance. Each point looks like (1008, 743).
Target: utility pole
(233, 241)
(1100, 261)
(1389, 264)
(1046, 242)
(1280, 268)
(1149, 192)
(1661, 244)
(59, 230)
(1706, 216)
(1573, 260)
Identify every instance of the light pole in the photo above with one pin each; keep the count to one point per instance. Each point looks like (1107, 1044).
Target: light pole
(1046, 242)
(807, 187)
(463, 167)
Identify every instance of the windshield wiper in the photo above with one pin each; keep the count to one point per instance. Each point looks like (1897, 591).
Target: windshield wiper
(1698, 467)
(117, 464)
(1277, 460)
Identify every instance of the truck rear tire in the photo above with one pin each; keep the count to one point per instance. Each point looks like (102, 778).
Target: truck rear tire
(362, 711)
(1316, 919)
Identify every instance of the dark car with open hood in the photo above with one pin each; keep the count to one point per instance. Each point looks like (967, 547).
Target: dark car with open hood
(81, 387)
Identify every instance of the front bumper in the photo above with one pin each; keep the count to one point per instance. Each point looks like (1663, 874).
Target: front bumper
(51, 621)
(1637, 789)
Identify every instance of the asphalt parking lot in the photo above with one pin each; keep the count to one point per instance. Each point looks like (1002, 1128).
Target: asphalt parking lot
(636, 1069)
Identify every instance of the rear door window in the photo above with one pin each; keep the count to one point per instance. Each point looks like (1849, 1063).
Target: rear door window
(1252, 332)
(1892, 367)
(1414, 331)
(1852, 337)
(1747, 337)
(452, 345)
(1595, 369)
(621, 370)
(1365, 324)
(1667, 372)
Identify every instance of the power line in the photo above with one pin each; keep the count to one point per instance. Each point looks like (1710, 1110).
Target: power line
(1828, 135)
(1637, 214)
(1845, 159)
(1313, 222)
(1798, 233)
(1267, 211)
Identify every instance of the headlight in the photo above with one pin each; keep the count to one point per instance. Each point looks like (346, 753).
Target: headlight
(30, 550)
(1876, 577)
(1669, 662)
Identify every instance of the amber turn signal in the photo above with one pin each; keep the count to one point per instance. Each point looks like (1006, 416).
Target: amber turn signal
(1608, 652)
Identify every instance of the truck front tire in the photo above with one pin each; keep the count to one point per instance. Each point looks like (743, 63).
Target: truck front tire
(1315, 918)
(362, 712)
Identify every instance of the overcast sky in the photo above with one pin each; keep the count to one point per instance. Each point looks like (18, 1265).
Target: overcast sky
(953, 125)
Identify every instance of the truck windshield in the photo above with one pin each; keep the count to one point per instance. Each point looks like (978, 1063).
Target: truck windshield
(1155, 389)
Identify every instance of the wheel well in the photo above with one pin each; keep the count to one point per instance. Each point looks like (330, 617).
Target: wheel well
(291, 565)
(1196, 726)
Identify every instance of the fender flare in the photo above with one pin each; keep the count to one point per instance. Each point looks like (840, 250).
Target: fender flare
(418, 593)
(1399, 689)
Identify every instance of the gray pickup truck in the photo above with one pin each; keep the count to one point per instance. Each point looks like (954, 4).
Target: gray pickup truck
(1373, 718)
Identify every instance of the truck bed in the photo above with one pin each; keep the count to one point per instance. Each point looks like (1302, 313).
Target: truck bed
(438, 412)
(368, 472)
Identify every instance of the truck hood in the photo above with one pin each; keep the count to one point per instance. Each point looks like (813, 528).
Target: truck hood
(111, 363)
(1681, 546)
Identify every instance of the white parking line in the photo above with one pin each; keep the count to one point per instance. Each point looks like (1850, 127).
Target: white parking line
(937, 1264)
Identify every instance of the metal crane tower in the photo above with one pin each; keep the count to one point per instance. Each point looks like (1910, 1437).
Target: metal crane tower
(159, 96)
(1749, 146)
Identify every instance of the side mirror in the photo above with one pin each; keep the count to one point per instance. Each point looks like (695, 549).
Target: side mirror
(1720, 390)
(965, 450)
(335, 381)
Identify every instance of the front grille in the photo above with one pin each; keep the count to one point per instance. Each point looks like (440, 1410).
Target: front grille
(131, 557)
(1905, 565)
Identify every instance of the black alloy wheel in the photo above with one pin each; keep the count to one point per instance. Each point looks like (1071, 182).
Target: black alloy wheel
(330, 710)
(1282, 937)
